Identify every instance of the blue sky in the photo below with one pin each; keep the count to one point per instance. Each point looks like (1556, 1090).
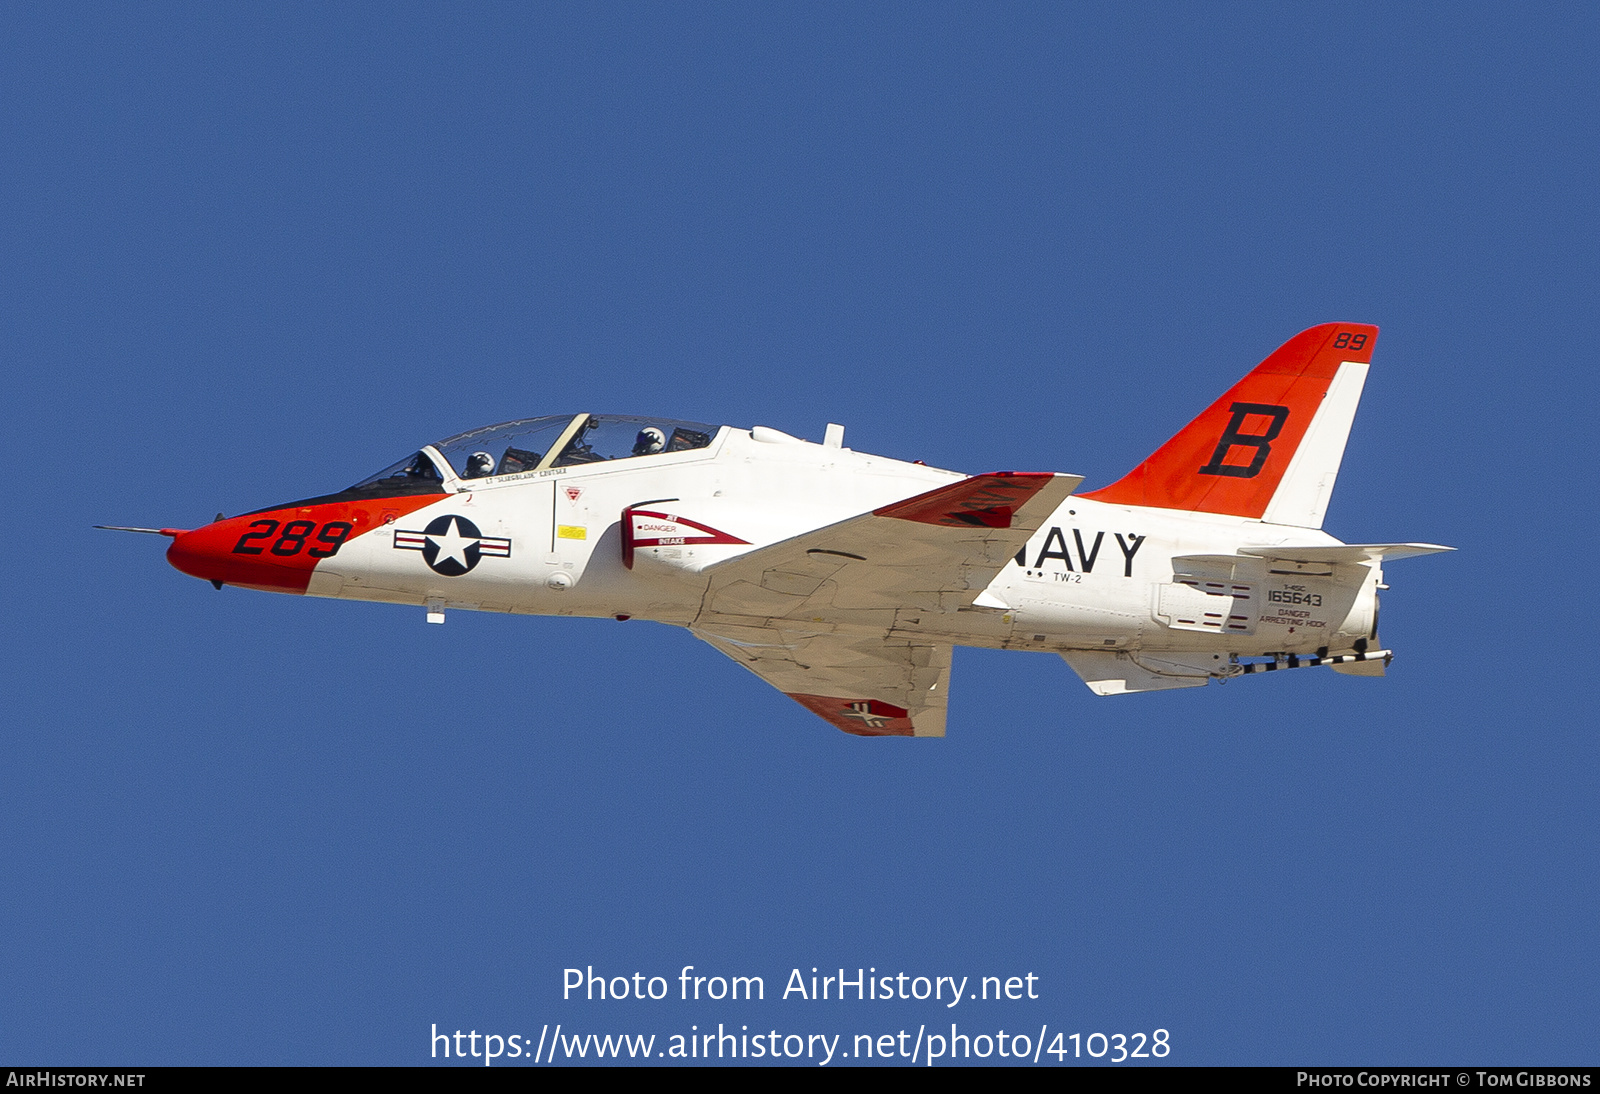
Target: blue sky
(256, 254)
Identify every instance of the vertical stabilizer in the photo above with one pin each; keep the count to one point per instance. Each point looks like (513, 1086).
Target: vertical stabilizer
(1270, 448)
(1302, 497)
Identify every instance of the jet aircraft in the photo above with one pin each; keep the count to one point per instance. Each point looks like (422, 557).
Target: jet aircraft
(844, 579)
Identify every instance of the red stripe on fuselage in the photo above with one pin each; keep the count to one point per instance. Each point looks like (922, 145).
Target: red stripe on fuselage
(254, 551)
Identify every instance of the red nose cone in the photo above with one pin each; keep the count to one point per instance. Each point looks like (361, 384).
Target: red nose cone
(277, 549)
(225, 552)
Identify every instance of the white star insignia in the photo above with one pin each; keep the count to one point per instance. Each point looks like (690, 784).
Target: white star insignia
(451, 544)
(863, 711)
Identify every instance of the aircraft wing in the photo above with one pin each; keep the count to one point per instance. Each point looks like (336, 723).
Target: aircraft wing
(867, 685)
(934, 552)
(931, 553)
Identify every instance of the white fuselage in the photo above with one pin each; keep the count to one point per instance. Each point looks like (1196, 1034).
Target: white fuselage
(1094, 576)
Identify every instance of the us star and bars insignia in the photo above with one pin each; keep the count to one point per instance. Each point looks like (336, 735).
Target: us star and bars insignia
(452, 545)
(862, 717)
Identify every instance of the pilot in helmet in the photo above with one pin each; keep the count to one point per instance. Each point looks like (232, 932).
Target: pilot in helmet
(650, 441)
(479, 464)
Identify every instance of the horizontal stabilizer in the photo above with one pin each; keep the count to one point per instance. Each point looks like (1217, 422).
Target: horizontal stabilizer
(1108, 672)
(1345, 553)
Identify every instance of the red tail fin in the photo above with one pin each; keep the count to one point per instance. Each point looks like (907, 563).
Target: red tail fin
(1232, 457)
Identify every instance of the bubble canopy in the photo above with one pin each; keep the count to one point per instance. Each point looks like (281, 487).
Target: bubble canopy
(511, 446)
(559, 440)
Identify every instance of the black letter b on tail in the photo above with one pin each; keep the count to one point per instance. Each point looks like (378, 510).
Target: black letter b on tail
(1232, 438)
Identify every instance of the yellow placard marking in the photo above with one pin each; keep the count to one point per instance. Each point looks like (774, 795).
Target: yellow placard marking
(571, 531)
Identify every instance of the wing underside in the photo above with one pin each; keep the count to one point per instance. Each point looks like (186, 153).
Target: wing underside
(868, 686)
(823, 616)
